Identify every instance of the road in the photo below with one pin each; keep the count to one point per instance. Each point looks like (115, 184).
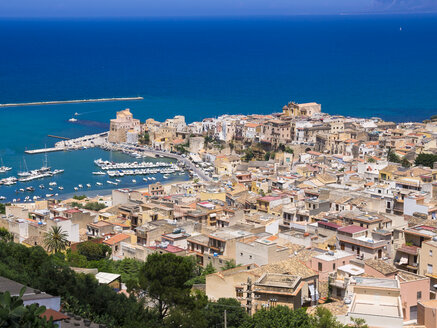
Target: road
(184, 160)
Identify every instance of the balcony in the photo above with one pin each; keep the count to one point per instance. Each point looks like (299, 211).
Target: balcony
(368, 244)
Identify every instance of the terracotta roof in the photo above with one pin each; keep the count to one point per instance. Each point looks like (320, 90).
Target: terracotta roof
(352, 229)
(381, 266)
(116, 239)
(49, 313)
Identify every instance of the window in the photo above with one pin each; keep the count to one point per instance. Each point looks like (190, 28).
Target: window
(419, 295)
(430, 253)
(239, 291)
(429, 269)
(333, 266)
(320, 266)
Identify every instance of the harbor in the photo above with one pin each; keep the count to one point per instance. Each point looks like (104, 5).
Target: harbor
(74, 101)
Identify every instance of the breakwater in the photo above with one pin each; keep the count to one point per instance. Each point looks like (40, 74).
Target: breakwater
(58, 102)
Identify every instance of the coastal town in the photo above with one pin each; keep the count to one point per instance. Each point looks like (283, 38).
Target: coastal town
(298, 208)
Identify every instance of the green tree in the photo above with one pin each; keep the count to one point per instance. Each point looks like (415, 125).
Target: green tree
(14, 314)
(405, 162)
(235, 314)
(278, 317)
(164, 280)
(5, 235)
(94, 206)
(426, 160)
(393, 157)
(323, 318)
(359, 323)
(94, 251)
(229, 265)
(79, 197)
(248, 155)
(55, 240)
(3, 207)
(289, 150)
(371, 160)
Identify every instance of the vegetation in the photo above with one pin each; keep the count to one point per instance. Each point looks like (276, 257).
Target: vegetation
(229, 265)
(163, 283)
(92, 206)
(79, 197)
(14, 314)
(426, 160)
(371, 160)
(289, 150)
(94, 251)
(393, 157)
(55, 240)
(248, 155)
(163, 278)
(182, 149)
(3, 207)
(144, 138)
(5, 235)
(405, 162)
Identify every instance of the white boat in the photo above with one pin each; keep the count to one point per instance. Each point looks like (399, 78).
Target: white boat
(76, 114)
(80, 186)
(99, 183)
(88, 185)
(41, 186)
(2, 197)
(99, 173)
(50, 188)
(52, 183)
(72, 119)
(76, 188)
(134, 181)
(118, 180)
(61, 188)
(49, 195)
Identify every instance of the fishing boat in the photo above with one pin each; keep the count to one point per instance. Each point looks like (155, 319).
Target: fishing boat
(52, 183)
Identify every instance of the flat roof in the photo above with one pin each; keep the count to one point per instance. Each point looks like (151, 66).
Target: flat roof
(337, 255)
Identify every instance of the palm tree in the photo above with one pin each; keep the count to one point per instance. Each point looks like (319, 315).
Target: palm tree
(55, 240)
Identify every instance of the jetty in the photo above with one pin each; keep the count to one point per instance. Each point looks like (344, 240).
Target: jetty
(57, 137)
(59, 102)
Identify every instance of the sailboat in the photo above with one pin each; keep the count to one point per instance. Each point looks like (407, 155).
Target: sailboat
(4, 168)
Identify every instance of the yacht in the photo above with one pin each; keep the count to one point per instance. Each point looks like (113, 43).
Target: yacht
(61, 188)
(76, 188)
(80, 186)
(134, 181)
(99, 173)
(99, 183)
(2, 197)
(30, 188)
(72, 119)
(88, 185)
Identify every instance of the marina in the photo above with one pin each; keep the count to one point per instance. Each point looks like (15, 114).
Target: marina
(83, 178)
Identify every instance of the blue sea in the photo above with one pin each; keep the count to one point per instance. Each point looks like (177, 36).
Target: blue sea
(366, 66)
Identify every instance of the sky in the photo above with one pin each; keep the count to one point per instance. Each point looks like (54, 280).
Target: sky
(158, 8)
